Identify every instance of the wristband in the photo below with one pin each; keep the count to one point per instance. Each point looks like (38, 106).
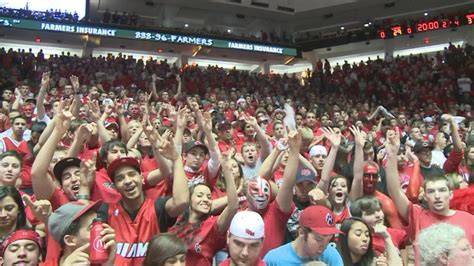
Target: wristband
(83, 197)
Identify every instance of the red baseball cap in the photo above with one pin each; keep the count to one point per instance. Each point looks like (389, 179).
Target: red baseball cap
(319, 219)
(120, 162)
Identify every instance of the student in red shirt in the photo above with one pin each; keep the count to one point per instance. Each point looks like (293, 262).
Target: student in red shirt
(277, 212)
(136, 217)
(437, 194)
(203, 233)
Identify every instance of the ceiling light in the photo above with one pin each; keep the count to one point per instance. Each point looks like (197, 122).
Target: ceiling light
(366, 25)
(228, 30)
(342, 28)
(426, 14)
(186, 25)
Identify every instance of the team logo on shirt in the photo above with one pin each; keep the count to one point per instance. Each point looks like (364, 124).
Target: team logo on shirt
(132, 250)
(329, 219)
(197, 248)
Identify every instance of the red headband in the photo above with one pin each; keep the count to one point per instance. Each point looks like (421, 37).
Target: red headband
(21, 235)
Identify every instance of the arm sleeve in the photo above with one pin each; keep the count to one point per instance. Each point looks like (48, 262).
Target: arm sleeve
(213, 165)
(452, 163)
(164, 220)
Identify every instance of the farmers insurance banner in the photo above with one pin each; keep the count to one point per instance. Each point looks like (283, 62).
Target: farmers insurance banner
(140, 34)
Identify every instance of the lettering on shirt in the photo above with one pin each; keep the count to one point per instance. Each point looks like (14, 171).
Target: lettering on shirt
(132, 250)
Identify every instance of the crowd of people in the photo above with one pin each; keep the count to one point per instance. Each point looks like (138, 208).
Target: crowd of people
(363, 164)
(48, 15)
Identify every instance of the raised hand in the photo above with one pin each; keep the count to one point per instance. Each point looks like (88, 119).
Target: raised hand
(45, 78)
(85, 132)
(250, 120)
(80, 256)
(181, 118)
(167, 147)
(294, 140)
(41, 208)
(410, 154)
(381, 230)
(87, 172)
(316, 195)
(75, 83)
(178, 78)
(392, 144)
(359, 138)
(207, 122)
(94, 111)
(63, 118)
(333, 137)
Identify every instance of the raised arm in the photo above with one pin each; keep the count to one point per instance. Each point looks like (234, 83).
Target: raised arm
(285, 194)
(121, 120)
(392, 145)
(82, 136)
(160, 147)
(40, 111)
(213, 164)
(357, 183)
(416, 179)
(77, 96)
(266, 169)
(43, 185)
(335, 140)
(393, 257)
(226, 216)
(180, 199)
(265, 145)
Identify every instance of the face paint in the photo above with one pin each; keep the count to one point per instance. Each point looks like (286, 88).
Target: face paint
(258, 193)
(370, 178)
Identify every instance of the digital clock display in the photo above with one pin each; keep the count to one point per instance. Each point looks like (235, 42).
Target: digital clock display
(424, 26)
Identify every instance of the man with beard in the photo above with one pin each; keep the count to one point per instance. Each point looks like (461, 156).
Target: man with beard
(305, 182)
(138, 217)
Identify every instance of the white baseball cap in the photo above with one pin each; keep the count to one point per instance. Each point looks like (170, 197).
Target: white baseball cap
(247, 224)
(318, 150)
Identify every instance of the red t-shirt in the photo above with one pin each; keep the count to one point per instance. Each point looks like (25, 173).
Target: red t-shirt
(28, 160)
(399, 239)
(133, 233)
(103, 188)
(200, 176)
(420, 219)
(203, 242)
(259, 262)
(58, 198)
(275, 224)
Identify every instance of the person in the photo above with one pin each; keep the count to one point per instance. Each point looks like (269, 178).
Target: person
(438, 193)
(166, 249)
(316, 230)
(22, 247)
(245, 239)
(258, 193)
(366, 177)
(355, 243)
(13, 211)
(437, 249)
(202, 232)
(138, 217)
(369, 209)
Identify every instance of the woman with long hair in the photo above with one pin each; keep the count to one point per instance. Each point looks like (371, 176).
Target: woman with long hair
(355, 244)
(203, 233)
(12, 211)
(166, 249)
